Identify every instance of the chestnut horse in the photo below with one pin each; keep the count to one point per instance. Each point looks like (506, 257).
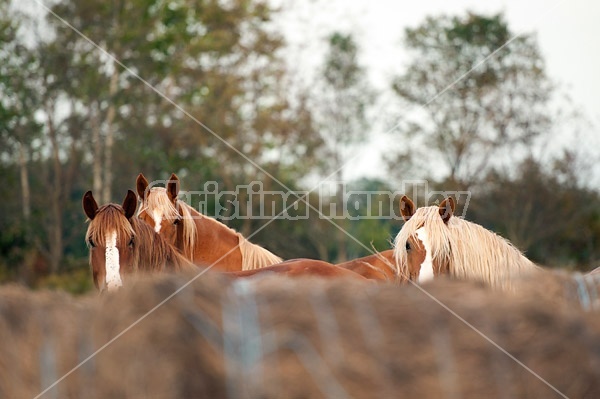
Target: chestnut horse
(206, 241)
(434, 242)
(302, 268)
(201, 239)
(121, 244)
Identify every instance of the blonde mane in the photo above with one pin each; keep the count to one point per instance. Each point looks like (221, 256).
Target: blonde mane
(254, 256)
(157, 200)
(470, 251)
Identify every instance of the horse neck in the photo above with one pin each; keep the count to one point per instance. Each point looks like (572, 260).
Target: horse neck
(216, 242)
(479, 254)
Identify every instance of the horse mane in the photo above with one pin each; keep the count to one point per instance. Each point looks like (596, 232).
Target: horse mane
(157, 199)
(254, 256)
(470, 251)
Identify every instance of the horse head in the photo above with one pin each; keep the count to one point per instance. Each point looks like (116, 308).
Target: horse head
(165, 216)
(111, 240)
(414, 251)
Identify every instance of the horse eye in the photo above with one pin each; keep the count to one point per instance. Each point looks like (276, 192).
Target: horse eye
(91, 243)
(130, 243)
(176, 222)
(407, 246)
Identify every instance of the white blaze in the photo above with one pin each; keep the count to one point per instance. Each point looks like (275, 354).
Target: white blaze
(157, 216)
(426, 271)
(113, 277)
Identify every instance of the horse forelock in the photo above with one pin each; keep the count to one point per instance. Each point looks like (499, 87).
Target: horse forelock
(109, 220)
(158, 205)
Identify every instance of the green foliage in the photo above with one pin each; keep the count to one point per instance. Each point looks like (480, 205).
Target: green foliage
(221, 64)
(475, 95)
(76, 282)
(555, 222)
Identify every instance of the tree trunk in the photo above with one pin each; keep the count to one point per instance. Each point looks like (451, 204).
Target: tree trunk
(110, 133)
(342, 223)
(55, 227)
(97, 145)
(24, 176)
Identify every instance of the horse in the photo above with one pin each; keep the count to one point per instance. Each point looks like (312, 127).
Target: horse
(201, 239)
(121, 244)
(302, 268)
(433, 242)
(379, 266)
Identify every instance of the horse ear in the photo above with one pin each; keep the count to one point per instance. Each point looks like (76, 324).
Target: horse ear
(141, 184)
(447, 209)
(173, 187)
(90, 206)
(130, 204)
(407, 208)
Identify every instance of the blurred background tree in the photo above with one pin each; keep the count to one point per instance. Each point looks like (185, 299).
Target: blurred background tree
(342, 100)
(73, 119)
(462, 127)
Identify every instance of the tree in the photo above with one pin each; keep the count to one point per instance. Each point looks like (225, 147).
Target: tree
(19, 100)
(544, 211)
(471, 112)
(341, 113)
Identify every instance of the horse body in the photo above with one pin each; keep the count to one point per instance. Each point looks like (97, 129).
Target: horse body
(379, 266)
(121, 244)
(433, 239)
(302, 268)
(201, 239)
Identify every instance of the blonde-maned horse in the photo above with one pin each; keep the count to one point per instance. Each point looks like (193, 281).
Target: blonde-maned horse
(201, 239)
(433, 241)
(121, 244)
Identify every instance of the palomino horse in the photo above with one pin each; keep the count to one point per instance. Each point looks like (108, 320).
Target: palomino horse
(433, 242)
(121, 244)
(201, 239)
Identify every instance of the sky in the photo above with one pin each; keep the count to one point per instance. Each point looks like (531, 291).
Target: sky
(568, 34)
